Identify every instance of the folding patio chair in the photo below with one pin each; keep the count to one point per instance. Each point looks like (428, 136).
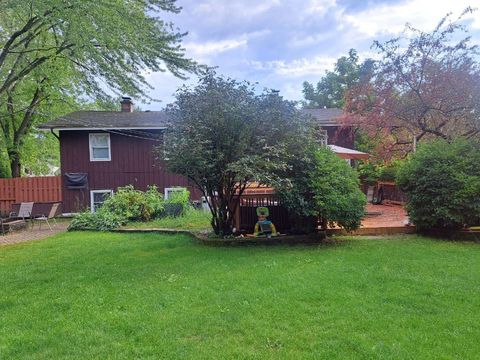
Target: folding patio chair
(24, 212)
(18, 217)
(51, 215)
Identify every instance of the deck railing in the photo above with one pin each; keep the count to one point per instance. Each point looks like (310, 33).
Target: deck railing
(247, 216)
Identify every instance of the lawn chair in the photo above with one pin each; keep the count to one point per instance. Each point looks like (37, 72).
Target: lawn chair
(17, 218)
(50, 216)
(24, 212)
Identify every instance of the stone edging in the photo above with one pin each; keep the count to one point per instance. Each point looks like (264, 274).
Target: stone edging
(205, 240)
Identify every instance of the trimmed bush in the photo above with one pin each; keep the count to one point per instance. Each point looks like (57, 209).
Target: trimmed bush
(442, 181)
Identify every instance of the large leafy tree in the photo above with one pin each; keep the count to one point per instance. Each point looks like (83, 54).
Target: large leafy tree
(222, 136)
(330, 90)
(99, 46)
(45, 93)
(426, 85)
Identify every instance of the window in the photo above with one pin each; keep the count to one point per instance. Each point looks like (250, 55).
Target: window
(99, 147)
(169, 191)
(322, 137)
(97, 197)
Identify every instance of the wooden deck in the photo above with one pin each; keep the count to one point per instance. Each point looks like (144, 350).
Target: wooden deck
(385, 215)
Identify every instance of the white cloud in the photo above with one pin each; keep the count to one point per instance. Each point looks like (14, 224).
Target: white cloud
(319, 7)
(204, 49)
(313, 39)
(296, 68)
(391, 19)
(224, 9)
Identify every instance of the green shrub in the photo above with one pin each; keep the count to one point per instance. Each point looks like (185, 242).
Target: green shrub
(134, 204)
(368, 172)
(336, 191)
(371, 172)
(388, 172)
(442, 181)
(323, 185)
(126, 204)
(178, 203)
(129, 204)
(100, 220)
(155, 201)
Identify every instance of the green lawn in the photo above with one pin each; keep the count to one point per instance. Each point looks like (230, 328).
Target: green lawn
(93, 295)
(192, 220)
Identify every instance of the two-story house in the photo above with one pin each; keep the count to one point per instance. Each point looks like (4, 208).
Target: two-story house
(103, 150)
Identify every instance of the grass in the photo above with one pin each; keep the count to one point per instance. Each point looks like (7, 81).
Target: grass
(150, 296)
(192, 220)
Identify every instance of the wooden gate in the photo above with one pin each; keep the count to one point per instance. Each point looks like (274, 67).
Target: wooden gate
(36, 189)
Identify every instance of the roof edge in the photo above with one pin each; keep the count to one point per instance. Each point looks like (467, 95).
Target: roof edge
(102, 128)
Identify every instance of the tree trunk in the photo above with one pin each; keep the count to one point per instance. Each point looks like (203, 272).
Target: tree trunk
(15, 166)
(222, 218)
(225, 219)
(14, 158)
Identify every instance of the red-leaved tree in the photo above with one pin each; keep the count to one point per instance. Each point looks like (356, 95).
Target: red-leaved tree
(425, 85)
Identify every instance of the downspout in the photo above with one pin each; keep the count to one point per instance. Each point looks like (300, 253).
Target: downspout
(51, 130)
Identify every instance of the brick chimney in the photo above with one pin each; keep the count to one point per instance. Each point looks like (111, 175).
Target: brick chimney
(127, 104)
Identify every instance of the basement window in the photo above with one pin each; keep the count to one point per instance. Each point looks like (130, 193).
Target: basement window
(171, 190)
(99, 147)
(97, 198)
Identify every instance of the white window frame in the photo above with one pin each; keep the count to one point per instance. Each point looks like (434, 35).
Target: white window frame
(170, 189)
(90, 145)
(323, 137)
(92, 192)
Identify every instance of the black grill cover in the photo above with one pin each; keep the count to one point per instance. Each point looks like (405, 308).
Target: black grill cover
(76, 180)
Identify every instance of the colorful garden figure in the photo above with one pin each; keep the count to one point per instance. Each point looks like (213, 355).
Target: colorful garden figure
(264, 227)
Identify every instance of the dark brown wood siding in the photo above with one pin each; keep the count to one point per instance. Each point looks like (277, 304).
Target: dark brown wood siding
(340, 136)
(132, 162)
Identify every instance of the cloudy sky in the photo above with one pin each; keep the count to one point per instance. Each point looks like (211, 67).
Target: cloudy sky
(281, 43)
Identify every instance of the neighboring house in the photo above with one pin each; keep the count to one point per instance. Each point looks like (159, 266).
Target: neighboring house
(103, 150)
(330, 132)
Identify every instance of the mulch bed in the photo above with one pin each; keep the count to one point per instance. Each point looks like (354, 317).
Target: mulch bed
(204, 239)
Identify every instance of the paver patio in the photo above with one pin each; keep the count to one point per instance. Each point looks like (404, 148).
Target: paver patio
(36, 233)
(385, 215)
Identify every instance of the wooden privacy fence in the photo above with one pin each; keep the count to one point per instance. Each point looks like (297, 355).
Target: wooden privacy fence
(36, 189)
(391, 192)
(388, 191)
